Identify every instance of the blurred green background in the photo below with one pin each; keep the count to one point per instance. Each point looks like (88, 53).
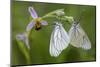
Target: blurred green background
(40, 40)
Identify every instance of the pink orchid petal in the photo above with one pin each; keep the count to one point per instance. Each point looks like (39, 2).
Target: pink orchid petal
(32, 12)
(44, 23)
(30, 25)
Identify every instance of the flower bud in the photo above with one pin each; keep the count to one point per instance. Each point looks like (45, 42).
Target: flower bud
(60, 12)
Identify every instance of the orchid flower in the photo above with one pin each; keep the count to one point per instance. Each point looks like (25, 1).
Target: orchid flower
(37, 21)
(23, 37)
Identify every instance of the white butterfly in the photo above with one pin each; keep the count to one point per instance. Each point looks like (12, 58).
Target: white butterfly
(59, 40)
(78, 37)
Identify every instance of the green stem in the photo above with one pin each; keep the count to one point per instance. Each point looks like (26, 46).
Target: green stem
(24, 50)
(61, 18)
(52, 14)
